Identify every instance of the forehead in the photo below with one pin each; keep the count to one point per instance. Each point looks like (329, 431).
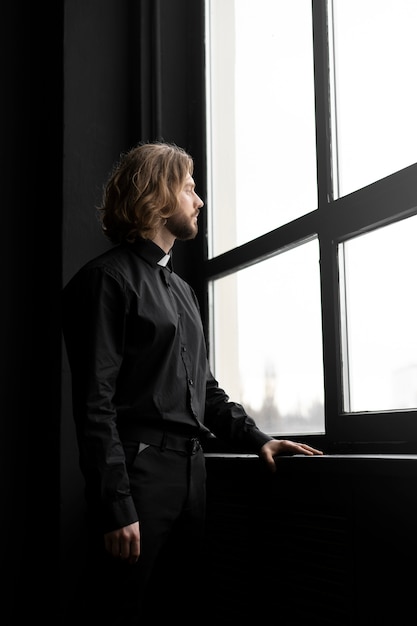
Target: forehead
(189, 180)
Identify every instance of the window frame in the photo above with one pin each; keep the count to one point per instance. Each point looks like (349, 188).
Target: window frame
(333, 222)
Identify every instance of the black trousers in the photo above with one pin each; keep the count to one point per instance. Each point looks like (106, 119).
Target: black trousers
(169, 490)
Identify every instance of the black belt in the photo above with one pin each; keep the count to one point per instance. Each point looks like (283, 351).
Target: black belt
(162, 438)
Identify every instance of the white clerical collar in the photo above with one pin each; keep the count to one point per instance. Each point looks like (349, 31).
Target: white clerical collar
(164, 261)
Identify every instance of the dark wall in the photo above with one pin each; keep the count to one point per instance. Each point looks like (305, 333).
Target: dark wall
(133, 72)
(31, 189)
(327, 540)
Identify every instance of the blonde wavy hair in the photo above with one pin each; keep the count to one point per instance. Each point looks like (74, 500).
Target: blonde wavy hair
(142, 190)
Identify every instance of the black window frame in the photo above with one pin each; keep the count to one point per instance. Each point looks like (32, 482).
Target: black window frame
(333, 222)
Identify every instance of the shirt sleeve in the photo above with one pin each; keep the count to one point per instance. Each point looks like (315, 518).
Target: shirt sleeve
(229, 421)
(94, 318)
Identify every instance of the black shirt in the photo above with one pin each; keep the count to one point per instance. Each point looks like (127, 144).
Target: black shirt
(137, 354)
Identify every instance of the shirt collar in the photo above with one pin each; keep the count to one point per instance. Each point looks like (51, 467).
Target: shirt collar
(151, 253)
(165, 260)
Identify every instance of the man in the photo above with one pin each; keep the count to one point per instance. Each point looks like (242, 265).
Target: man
(144, 398)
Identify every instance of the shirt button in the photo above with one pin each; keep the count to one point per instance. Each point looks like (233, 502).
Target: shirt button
(183, 349)
(191, 382)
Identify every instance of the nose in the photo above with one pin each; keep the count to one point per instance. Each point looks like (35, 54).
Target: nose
(199, 202)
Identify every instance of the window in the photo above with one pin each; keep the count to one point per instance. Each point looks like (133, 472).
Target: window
(312, 202)
(274, 363)
(261, 112)
(379, 329)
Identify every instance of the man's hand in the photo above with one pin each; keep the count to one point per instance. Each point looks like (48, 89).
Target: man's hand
(273, 448)
(124, 543)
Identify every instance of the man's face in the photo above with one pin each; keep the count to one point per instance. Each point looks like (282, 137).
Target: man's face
(183, 224)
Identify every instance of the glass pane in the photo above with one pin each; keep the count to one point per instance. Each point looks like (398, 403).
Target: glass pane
(268, 341)
(261, 126)
(380, 332)
(376, 91)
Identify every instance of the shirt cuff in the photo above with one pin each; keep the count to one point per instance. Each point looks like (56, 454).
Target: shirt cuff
(119, 513)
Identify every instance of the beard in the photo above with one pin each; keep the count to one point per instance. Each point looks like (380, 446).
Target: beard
(182, 227)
